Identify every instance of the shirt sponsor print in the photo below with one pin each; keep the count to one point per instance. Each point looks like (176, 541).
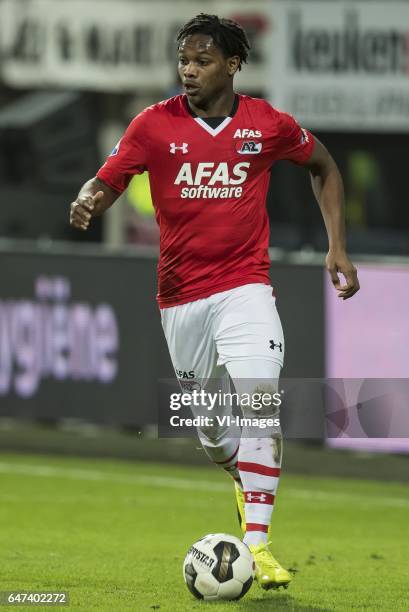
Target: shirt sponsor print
(221, 182)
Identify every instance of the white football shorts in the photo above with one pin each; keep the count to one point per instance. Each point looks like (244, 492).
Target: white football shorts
(238, 325)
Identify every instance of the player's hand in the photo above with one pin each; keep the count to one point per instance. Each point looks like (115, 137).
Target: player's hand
(339, 262)
(81, 210)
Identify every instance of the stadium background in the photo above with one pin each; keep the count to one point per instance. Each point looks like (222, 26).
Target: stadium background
(81, 348)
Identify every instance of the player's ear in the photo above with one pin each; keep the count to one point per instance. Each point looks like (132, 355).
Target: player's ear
(233, 64)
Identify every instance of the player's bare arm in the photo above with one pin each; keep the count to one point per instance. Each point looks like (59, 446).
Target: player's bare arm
(94, 198)
(329, 190)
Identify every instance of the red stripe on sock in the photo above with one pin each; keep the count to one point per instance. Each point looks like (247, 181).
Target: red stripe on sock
(258, 497)
(257, 468)
(256, 527)
(229, 459)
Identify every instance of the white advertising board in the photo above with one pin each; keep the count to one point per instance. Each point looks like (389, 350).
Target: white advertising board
(113, 46)
(342, 65)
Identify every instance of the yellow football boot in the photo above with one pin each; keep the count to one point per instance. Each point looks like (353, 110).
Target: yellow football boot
(269, 573)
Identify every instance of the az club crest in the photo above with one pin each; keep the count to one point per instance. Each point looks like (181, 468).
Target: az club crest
(249, 147)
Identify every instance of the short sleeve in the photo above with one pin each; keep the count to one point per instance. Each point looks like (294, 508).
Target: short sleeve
(295, 143)
(129, 157)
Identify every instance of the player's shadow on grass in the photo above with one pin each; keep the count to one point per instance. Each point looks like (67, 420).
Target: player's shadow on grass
(279, 601)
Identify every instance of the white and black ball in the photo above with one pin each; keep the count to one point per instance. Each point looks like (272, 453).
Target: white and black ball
(219, 566)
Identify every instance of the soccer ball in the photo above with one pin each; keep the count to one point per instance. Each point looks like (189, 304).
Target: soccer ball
(219, 566)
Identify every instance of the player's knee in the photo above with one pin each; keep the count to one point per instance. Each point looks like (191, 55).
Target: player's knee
(212, 433)
(264, 402)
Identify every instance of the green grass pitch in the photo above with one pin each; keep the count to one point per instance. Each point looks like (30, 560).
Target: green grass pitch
(114, 534)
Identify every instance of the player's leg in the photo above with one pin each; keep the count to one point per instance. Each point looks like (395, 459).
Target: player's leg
(188, 332)
(250, 343)
(221, 442)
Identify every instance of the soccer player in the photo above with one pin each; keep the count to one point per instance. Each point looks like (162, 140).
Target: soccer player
(209, 153)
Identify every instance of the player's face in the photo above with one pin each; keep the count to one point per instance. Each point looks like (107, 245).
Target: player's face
(204, 70)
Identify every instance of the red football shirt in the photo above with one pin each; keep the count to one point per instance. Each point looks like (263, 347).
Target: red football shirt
(209, 188)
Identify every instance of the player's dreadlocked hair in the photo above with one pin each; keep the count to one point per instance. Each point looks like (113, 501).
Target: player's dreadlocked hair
(227, 35)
